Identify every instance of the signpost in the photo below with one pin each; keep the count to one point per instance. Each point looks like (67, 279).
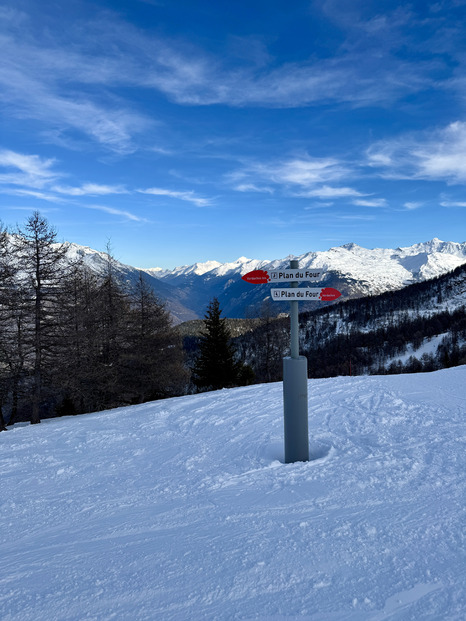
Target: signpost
(295, 366)
(259, 277)
(327, 294)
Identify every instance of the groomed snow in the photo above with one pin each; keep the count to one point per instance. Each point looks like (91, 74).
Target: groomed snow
(183, 510)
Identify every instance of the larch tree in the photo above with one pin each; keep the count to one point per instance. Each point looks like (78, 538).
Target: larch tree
(41, 264)
(76, 367)
(152, 363)
(7, 272)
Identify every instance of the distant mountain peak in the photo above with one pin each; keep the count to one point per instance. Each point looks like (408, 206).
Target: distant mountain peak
(352, 269)
(350, 246)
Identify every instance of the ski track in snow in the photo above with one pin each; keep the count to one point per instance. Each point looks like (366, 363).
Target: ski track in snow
(182, 509)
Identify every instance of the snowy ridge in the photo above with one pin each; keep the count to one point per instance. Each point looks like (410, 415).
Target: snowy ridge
(381, 268)
(98, 262)
(182, 509)
(352, 269)
(211, 268)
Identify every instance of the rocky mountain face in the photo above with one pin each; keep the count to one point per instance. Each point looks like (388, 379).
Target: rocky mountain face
(352, 269)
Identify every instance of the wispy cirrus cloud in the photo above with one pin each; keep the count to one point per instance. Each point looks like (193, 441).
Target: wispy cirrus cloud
(188, 196)
(370, 202)
(438, 155)
(412, 205)
(304, 177)
(309, 171)
(453, 203)
(27, 170)
(116, 212)
(252, 187)
(62, 83)
(34, 177)
(43, 196)
(90, 189)
(54, 79)
(327, 191)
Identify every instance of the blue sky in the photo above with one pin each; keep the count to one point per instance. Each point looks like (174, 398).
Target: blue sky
(182, 131)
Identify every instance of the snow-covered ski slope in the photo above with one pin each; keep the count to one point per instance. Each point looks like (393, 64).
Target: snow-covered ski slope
(183, 510)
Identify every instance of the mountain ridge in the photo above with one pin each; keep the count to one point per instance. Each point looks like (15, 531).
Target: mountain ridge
(352, 269)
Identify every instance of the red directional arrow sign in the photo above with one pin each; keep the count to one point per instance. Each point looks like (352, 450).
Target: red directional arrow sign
(328, 294)
(257, 277)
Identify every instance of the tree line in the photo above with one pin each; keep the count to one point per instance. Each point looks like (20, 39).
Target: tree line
(72, 341)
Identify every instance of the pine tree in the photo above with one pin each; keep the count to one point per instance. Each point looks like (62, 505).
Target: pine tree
(215, 366)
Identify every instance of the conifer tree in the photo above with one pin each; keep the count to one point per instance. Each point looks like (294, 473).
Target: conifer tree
(215, 366)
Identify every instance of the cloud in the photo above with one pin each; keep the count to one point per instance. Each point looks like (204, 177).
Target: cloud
(330, 192)
(370, 202)
(309, 171)
(90, 189)
(319, 205)
(438, 155)
(354, 217)
(305, 177)
(251, 187)
(116, 212)
(188, 196)
(453, 204)
(69, 79)
(29, 170)
(34, 194)
(412, 205)
(61, 83)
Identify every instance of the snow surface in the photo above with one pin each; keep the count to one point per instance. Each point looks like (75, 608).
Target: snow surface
(183, 510)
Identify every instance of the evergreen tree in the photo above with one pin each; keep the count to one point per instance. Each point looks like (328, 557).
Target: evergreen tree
(215, 366)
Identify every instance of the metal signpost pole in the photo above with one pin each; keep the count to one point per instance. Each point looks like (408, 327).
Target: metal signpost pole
(295, 391)
(294, 367)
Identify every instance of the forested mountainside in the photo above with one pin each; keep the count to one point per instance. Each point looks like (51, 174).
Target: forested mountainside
(421, 327)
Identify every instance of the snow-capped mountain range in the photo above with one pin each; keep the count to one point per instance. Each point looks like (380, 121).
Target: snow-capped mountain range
(354, 270)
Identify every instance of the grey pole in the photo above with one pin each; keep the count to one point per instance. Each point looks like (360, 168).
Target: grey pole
(295, 391)
(294, 318)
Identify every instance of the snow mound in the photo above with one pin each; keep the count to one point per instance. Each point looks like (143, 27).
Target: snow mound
(183, 509)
